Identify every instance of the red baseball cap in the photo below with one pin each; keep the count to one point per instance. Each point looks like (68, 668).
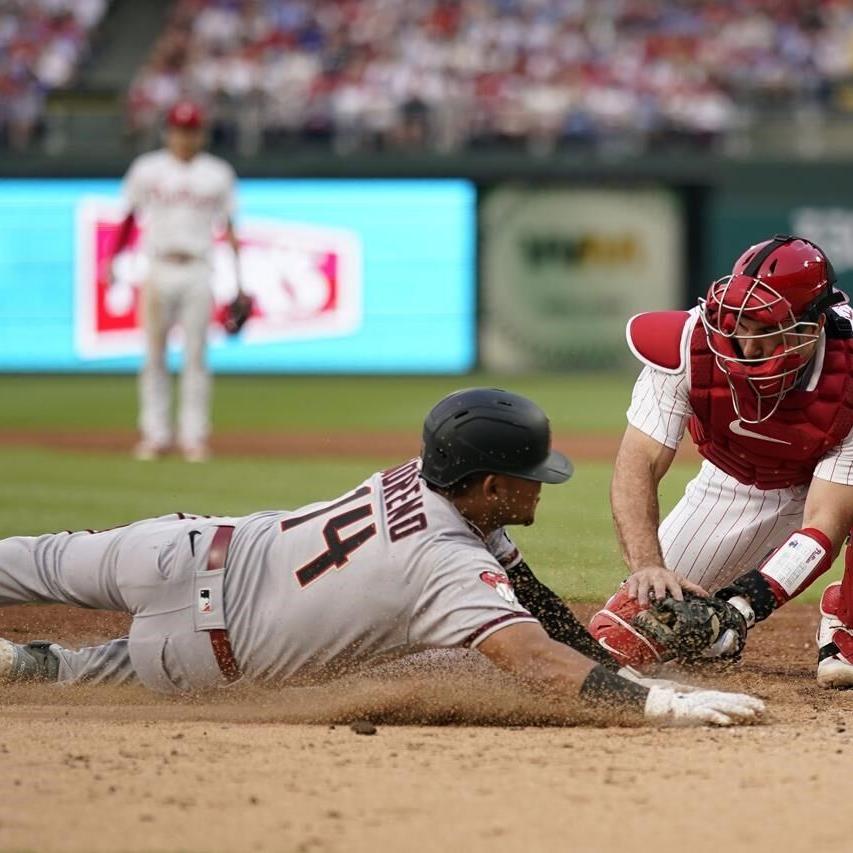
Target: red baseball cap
(185, 114)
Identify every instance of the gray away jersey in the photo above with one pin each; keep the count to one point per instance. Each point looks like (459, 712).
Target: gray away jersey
(387, 569)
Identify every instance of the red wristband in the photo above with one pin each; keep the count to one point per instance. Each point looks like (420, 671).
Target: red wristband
(797, 563)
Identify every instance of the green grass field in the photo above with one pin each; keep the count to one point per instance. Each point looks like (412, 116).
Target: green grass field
(572, 546)
(589, 403)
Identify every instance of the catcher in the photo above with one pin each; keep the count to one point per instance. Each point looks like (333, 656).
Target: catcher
(761, 373)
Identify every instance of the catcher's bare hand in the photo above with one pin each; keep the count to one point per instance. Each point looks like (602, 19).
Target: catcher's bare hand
(656, 582)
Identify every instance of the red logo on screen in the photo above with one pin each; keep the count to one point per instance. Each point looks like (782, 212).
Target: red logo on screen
(305, 280)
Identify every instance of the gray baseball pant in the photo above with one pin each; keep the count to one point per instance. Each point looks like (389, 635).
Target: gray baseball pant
(154, 570)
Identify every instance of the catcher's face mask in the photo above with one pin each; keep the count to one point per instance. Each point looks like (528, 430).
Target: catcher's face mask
(761, 347)
(763, 321)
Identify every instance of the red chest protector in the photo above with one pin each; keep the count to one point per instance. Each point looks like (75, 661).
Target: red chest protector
(779, 452)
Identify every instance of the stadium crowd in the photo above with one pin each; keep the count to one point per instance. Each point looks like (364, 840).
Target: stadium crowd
(454, 73)
(449, 74)
(42, 43)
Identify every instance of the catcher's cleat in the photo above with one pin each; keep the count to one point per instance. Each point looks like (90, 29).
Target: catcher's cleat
(835, 643)
(31, 662)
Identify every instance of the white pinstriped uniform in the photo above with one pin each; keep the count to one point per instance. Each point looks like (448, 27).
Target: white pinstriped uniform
(721, 527)
(180, 205)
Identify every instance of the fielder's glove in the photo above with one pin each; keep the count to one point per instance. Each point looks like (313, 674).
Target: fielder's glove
(688, 629)
(237, 312)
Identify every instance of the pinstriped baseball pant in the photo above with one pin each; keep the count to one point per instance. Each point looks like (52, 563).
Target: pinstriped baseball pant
(721, 528)
(176, 294)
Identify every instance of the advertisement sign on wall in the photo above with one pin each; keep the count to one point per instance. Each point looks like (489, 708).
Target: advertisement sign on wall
(564, 269)
(305, 282)
(343, 278)
(738, 219)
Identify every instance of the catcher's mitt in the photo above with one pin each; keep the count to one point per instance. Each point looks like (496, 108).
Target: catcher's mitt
(687, 629)
(237, 312)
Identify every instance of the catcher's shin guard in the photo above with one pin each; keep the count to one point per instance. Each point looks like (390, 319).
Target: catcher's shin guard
(835, 643)
(612, 627)
(835, 634)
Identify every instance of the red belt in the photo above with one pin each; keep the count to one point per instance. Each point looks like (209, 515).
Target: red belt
(219, 638)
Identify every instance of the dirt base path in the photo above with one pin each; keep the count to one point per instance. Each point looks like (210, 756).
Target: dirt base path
(110, 769)
(461, 759)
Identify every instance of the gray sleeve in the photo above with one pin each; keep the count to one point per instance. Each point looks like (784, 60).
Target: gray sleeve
(503, 548)
(467, 597)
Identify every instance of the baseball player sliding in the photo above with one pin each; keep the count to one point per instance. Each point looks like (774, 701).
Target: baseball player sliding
(415, 557)
(181, 195)
(761, 373)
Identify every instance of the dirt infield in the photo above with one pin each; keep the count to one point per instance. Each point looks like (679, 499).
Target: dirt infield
(461, 758)
(458, 762)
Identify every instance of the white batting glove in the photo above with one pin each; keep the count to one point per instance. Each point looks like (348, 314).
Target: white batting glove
(702, 707)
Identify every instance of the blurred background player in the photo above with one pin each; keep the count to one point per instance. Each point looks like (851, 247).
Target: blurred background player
(761, 372)
(182, 195)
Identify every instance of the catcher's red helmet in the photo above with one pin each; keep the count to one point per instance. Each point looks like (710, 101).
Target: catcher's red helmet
(795, 268)
(777, 287)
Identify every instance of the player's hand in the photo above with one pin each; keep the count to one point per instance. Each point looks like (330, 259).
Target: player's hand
(655, 582)
(702, 707)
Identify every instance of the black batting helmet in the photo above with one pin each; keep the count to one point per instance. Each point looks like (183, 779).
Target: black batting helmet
(487, 430)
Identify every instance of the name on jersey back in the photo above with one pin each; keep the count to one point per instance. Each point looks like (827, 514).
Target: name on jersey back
(402, 497)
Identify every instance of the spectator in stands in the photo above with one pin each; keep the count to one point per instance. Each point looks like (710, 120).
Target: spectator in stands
(42, 43)
(446, 73)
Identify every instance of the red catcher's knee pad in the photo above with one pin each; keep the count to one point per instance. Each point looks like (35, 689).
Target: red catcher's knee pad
(834, 628)
(612, 627)
(845, 603)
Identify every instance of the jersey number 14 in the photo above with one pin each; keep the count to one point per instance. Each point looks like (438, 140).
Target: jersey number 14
(338, 550)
